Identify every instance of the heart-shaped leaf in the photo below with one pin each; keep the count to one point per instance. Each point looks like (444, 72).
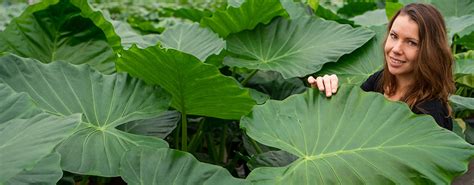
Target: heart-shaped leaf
(345, 140)
(295, 47)
(197, 88)
(106, 101)
(143, 165)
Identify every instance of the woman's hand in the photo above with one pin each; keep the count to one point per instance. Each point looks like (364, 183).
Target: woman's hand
(326, 83)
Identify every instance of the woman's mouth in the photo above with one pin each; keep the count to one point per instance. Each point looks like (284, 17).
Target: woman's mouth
(396, 62)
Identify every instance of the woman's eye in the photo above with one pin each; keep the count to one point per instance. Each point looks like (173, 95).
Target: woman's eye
(411, 43)
(393, 36)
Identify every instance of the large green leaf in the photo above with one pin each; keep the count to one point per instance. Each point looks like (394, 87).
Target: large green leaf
(143, 165)
(454, 7)
(24, 142)
(50, 32)
(354, 138)
(192, 39)
(106, 101)
(197, 88)
(295, 47)
(356, 67)
(46, 171)
(245, 17)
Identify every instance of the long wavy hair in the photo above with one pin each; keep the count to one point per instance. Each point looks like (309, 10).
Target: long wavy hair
(433, 78)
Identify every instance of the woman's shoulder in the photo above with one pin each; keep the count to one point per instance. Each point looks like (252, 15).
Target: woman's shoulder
(437, 109)
(372, 82)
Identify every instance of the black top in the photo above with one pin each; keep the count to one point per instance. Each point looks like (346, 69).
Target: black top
(434, 107)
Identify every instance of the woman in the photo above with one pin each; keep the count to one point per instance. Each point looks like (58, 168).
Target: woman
(418, 64)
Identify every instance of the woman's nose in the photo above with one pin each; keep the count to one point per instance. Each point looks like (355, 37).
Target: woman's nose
(397, 48)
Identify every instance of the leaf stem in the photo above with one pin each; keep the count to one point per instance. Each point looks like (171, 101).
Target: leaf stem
(197, 137)
(244, 82)
(223, 145)
(255, 145)
(184, 130)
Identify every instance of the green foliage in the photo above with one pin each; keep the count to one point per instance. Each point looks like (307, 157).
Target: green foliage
(228, 69)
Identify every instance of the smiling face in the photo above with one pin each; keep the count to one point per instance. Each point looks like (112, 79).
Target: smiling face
(401, 47)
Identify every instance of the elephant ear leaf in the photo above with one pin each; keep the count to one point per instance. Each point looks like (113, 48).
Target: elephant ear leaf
(106, 101)
(197, 88)
(345, 140)
(50, 31)
(296, 47)
(144, 165)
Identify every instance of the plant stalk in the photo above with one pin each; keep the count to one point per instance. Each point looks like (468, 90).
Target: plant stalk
(223, 145)
(184, 130)
(255, 146)
(244, 82)
(197, 137)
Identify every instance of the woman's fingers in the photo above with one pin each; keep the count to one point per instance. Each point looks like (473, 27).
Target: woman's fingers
(319, 83)
(312, 81)
(334, 83)
(326, 83)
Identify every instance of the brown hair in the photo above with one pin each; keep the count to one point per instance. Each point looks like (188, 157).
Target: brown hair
(433, 78)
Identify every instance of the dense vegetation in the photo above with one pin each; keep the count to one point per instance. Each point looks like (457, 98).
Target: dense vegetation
(213, 92)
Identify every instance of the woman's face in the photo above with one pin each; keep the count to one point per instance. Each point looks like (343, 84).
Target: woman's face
(401, 47)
